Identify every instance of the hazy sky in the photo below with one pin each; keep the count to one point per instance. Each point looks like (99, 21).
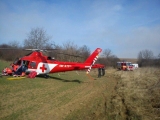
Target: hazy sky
(123, 26)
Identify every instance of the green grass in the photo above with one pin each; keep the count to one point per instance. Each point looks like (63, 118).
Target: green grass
(57, 97)
(23, 96)
(117, 95)
(54, 97)
(4, 64)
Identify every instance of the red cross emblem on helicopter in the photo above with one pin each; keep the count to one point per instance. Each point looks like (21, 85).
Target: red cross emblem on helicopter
(43, 68)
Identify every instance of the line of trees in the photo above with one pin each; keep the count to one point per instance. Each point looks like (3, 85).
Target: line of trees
(108, 58)
(37, 38)
(147, 58)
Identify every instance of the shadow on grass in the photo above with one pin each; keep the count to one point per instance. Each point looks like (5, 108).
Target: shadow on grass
(57, 78)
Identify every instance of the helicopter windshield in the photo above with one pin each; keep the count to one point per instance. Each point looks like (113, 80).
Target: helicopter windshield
(25, 62)
(17, 62)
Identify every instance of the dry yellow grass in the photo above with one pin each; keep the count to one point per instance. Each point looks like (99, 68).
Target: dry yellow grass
(138, 94)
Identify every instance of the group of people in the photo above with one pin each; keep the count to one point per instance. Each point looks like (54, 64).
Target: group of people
(15, 70)
(21, 70)
(6, 71)
(101, 72)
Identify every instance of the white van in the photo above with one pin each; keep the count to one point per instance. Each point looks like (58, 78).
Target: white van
(135, 65)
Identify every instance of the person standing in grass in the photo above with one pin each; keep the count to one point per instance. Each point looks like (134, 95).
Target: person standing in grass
(103, 71)
(99, 72)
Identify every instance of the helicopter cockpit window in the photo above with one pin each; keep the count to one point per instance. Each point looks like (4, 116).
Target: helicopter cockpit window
(24, 62)
(33, 64)
(19, 62)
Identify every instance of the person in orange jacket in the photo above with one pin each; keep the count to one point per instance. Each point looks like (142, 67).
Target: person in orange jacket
(7, 71)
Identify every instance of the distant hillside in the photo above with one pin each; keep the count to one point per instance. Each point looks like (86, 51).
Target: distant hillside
(133, 60)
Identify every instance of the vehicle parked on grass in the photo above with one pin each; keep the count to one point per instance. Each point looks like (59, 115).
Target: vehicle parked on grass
(126, 66)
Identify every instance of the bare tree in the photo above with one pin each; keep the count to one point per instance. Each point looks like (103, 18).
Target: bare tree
(145, 58)
(3, 52)
(107, 53)
(108, 58)
(158, 60)
(147, 54)
(69, 48)
(159, 56)
(84, 52)
(14, 44)
(37, 38)
(9, 52)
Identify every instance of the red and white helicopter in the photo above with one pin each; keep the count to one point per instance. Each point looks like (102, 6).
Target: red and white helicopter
(37, 63)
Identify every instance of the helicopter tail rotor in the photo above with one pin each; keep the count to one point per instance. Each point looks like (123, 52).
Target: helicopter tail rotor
(89, 69)
(93, 58)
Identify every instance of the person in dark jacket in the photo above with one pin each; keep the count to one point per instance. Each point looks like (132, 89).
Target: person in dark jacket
(103, 71)
(99, 72)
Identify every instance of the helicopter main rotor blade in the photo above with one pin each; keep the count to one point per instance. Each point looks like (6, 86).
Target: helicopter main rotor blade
(70, 55)
(42, 50)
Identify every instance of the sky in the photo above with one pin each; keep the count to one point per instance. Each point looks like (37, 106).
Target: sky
(126, 27)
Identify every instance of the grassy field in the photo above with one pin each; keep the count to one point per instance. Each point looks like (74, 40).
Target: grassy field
(119, 95)
(62, 96)
(138, 94)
